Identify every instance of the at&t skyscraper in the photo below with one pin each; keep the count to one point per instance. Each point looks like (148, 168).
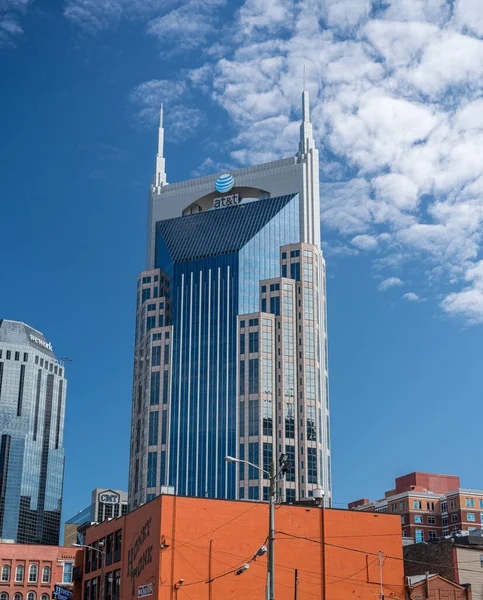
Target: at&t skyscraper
(231, 333)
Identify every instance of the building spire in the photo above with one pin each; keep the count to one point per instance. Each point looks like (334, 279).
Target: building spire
(306, 134)
(160, 172)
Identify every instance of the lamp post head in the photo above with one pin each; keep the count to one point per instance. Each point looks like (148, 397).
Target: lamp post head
(231, 459)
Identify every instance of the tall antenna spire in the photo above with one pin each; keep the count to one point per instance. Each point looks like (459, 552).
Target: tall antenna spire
(160, 172)
(306, 133)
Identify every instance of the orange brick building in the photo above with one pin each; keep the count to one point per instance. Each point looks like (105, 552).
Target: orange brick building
(177, 547)
(30, 572)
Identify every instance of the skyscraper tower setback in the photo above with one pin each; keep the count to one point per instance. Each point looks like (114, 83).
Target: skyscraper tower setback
(32, 409)
(231, 333)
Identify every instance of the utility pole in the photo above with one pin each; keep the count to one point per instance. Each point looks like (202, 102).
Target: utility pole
(380, 556)
(296, 587)
(271, 531)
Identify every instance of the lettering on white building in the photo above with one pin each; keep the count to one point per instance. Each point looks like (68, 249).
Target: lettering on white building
(224, 201)
(40, 342)
(145, 590)
(107, 498)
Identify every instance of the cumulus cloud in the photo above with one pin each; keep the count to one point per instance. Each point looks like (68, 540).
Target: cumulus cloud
(182, 25)
(11, 13)
(364, 242)
(181, 120)
(411, 297)
(396, 105)
(389, 283)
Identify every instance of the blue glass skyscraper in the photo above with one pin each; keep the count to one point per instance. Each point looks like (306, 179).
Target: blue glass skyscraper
(32, 408)
(231, 333)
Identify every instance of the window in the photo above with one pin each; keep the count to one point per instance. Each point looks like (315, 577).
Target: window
(4, 596)
(242, 343)
(290, 495)
(253, 341)
(454, 518)
(31, 596)
(290, 452)
(154, 391)
(429, 505)
(152, 467)
(470, 517)
(44, 597)
(253, 473)
(19, 574)
(419, 536)
(403, 520)
(275, 305)
(290, 420)
(311, 465)
(253, 376)
(25, 357)
(5, 573)
(311, 423)
(67, 575)
(17, 596)
(33, 574)
(393, 507)
(470, 502)
(253, 492)
(481, 503)
(156, 356)
(432, 535)
(402, 505)
(418, 519)
(481, 560)
(452, 504)
(267, 458)
(242, 378)
(417, 504)
(9, 354)
(153, 427)
(253, 418)
(46, 575)
(404, 533)
(431, 520)
(444, 507)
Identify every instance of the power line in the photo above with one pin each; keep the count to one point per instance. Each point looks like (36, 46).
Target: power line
(366, 552)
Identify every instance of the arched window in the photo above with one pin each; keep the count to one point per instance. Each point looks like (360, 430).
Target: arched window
(4, 596)
(5, 573)
(46, 575)
(17, 596)
(44, 597)
(19, 574)
(30, 596)
(33, 576)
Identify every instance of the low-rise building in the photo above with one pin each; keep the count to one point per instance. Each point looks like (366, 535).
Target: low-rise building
(175, 543)
(458, 558)
(422, 587)
(430, 506)
(32, 572)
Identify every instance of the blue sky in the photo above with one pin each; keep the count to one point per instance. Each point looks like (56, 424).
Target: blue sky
(395, 90)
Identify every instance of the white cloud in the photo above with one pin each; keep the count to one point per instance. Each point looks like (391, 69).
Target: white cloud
(389, 283)
(411, 297)
(468, 302)
(396, 105)
(364, 242)
(180, 120)
(11, 13)
(181, 24)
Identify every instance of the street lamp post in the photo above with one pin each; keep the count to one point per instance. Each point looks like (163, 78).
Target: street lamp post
(272, 474)
(102, 552)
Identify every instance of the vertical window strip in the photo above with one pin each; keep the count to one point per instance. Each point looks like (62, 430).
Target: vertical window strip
(37, 403)
(59, 413)
(20, 391)
(1, 378)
